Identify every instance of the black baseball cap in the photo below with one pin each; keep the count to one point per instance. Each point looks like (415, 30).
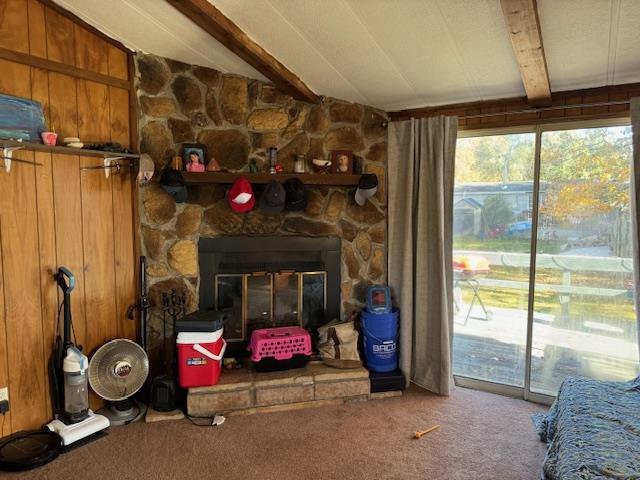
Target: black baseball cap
(367, 188)
(273, 197)
(296, 195)
(172, 182)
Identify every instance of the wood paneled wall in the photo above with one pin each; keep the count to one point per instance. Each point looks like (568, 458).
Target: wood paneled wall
(60, 212)
(527, 115)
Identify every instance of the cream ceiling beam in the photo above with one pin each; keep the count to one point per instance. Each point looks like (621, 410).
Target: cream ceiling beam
(521, 17)
(212, 20)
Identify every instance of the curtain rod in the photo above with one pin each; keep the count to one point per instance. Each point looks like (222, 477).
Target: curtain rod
(546, 109)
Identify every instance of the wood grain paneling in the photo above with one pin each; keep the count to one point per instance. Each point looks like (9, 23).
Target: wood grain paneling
(48, 260)
(5, 429)
(93, 111)
(97, 240)
(37, 29)
(63, 104)
(517, 111)
(21, 269)
(60, 37)
(55, 213)
(119, 113)
(99, 274)
(123, 253)
(15, 79)
(69, 248)
(91, 51)
(14, 27)
(118, 63)
(40, 90)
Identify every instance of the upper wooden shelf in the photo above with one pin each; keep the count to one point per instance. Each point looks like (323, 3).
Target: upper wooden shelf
(257, 178)
(41, 147)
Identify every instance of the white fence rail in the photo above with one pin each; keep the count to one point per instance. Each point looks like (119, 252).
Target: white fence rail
(571, 263)
(566, 263)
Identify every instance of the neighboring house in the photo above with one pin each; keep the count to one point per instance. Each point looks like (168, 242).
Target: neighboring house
(519, 195)
(467, 217)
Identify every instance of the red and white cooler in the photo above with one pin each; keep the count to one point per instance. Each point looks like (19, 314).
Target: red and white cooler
(200, 358)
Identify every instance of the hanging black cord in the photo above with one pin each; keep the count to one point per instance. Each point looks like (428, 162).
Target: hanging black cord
(73, 328)
(58, 321)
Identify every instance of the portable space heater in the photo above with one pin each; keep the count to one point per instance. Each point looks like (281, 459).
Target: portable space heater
(117, 371)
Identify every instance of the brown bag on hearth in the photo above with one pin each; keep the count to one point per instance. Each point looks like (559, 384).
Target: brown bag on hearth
(338, 344)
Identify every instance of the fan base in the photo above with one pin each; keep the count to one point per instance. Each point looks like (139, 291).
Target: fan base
(117, 415)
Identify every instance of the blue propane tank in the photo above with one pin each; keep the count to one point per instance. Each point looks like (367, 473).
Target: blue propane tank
(380, 340)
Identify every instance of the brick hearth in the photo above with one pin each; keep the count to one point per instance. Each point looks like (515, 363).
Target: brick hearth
(245, 391)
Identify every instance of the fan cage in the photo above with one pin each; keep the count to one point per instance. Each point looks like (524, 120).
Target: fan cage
(103, 378)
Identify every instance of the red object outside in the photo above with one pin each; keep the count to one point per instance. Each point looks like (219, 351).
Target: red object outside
(470, 265)
(199, 360)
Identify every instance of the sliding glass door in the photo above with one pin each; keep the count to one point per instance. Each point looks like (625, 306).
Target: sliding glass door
(492, 245)
(525, 321)
(584, 322)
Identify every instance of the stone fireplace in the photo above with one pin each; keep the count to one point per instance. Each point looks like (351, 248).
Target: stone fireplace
(238, 119)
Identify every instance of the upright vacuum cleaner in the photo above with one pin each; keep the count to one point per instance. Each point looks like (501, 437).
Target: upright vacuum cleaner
(74, 421)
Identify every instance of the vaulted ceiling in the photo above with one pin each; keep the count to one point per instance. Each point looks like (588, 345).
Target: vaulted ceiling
(392, 54)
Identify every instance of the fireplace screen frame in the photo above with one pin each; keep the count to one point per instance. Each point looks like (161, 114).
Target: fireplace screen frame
(243, 254)
(300, 312)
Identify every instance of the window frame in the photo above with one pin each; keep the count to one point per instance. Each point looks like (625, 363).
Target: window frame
(538, 129)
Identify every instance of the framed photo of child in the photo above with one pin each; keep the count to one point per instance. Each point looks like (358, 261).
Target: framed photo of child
(342, 161)
(194, 157)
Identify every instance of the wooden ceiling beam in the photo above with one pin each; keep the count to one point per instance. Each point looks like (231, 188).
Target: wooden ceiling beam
(213, 21)
(523, 23)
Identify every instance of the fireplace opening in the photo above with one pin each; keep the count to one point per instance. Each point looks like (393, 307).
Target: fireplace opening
(270, 282)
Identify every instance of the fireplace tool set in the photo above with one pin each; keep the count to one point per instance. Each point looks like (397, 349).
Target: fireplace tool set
(164, 388)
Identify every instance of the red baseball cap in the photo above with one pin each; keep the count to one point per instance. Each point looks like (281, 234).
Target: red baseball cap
(241, 197)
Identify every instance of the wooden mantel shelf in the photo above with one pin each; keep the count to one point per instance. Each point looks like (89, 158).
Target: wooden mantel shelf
(40, 147)
(257, 178)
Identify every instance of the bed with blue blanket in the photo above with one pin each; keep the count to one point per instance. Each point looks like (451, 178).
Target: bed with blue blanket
(592, 431)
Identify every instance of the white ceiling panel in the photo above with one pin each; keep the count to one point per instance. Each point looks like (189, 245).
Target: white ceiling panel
(290, 45)
(576, 35)
(449, 50)
(392, 54)
(626, 64)
(154, 26)
(484, 46)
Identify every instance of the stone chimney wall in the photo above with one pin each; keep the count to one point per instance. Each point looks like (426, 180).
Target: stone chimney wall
(238, 119)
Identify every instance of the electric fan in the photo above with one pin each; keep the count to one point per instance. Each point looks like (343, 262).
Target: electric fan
(117, 371)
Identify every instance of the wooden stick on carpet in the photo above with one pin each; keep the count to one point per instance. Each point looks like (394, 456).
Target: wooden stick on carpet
(420, 434)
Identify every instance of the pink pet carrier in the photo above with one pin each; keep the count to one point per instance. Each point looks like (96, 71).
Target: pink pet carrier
(280, 348)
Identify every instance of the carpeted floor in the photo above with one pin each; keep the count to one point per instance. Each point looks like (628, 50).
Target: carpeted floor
(482, 436)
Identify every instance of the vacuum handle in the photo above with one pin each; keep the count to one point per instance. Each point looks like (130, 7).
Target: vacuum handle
(66, 285)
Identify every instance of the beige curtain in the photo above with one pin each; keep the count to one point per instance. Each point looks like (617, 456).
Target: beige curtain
(635, 200)
(421, 168)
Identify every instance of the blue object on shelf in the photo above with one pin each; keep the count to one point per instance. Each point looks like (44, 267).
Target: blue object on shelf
(380, 340)
(21, 119)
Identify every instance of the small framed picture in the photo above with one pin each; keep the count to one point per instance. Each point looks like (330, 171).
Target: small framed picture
(194, 157)
(341, 161)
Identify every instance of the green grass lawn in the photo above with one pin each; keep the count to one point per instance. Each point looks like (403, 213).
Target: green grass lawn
(506, 244)
(592, 308)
